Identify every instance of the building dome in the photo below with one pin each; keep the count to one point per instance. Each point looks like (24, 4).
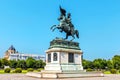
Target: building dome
(12, 48)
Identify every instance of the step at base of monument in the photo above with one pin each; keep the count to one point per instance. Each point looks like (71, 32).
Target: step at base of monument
(80, 75)
(66, 75)
(73, 71)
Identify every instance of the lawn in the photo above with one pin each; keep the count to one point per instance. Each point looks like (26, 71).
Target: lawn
(2, 72)
(107, 72)
(23, 71)
(11, 72)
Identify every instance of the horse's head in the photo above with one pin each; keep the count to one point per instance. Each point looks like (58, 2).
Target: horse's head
(62, 17)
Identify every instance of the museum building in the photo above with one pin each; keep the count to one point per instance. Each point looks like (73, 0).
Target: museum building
(12, 54)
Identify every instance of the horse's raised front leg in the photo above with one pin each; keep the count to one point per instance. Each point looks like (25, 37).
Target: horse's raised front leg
(54, 28)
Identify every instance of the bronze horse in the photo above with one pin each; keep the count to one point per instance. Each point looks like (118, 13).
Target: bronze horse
(63, 26)
(66, 25)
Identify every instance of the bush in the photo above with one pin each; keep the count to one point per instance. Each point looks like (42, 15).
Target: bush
(30, 70)
(13, 71)
(89, 70)
(7, 70)
(18, 70)
(113, 71)
(39, 69)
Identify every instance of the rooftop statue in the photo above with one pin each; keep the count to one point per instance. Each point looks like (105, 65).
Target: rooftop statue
(66, 25)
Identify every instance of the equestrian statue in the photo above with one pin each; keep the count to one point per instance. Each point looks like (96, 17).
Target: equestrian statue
(66, 25)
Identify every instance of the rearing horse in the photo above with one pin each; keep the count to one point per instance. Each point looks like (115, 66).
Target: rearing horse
(64, 26)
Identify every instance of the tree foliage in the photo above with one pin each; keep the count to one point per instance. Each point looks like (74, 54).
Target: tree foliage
(96, 64)
(13, 63)
(87, 64)
(24, 64)
(0, 63)
(39, 64)
(116, 61)
(100, 64)
(21, 64)
(109, 65)
(5, 62)
(30, 62)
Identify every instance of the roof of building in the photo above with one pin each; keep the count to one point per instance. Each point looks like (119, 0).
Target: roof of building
(12, 48)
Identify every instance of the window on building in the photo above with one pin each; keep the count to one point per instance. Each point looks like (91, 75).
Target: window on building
(49, 57)
(70, 57)
(54, 56)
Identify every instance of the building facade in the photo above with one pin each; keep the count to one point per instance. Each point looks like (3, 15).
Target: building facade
(12, 54)
(21, 56)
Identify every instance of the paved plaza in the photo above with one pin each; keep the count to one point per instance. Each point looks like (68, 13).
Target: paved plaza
(24, 77)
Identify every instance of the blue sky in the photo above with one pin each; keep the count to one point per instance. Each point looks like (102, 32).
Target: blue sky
(25, 24)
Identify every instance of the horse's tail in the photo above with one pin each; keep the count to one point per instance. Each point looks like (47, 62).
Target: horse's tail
(77, 33)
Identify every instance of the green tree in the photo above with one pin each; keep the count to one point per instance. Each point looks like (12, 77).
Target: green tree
(30, 62)
(13, 63)
(0, 63)
(87, 64)
(21, 64)
(109, 65)
(100, 64)
(38, 63)
(43, 64)
(116, 61)
(5, 62)
(103, 64)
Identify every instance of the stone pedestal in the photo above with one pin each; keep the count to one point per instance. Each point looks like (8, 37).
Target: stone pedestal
(66, 59)
(63, 56)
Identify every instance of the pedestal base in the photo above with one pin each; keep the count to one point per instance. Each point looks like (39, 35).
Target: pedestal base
(63, 67)
(46, 74)
(71, 67)
(53, 67)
